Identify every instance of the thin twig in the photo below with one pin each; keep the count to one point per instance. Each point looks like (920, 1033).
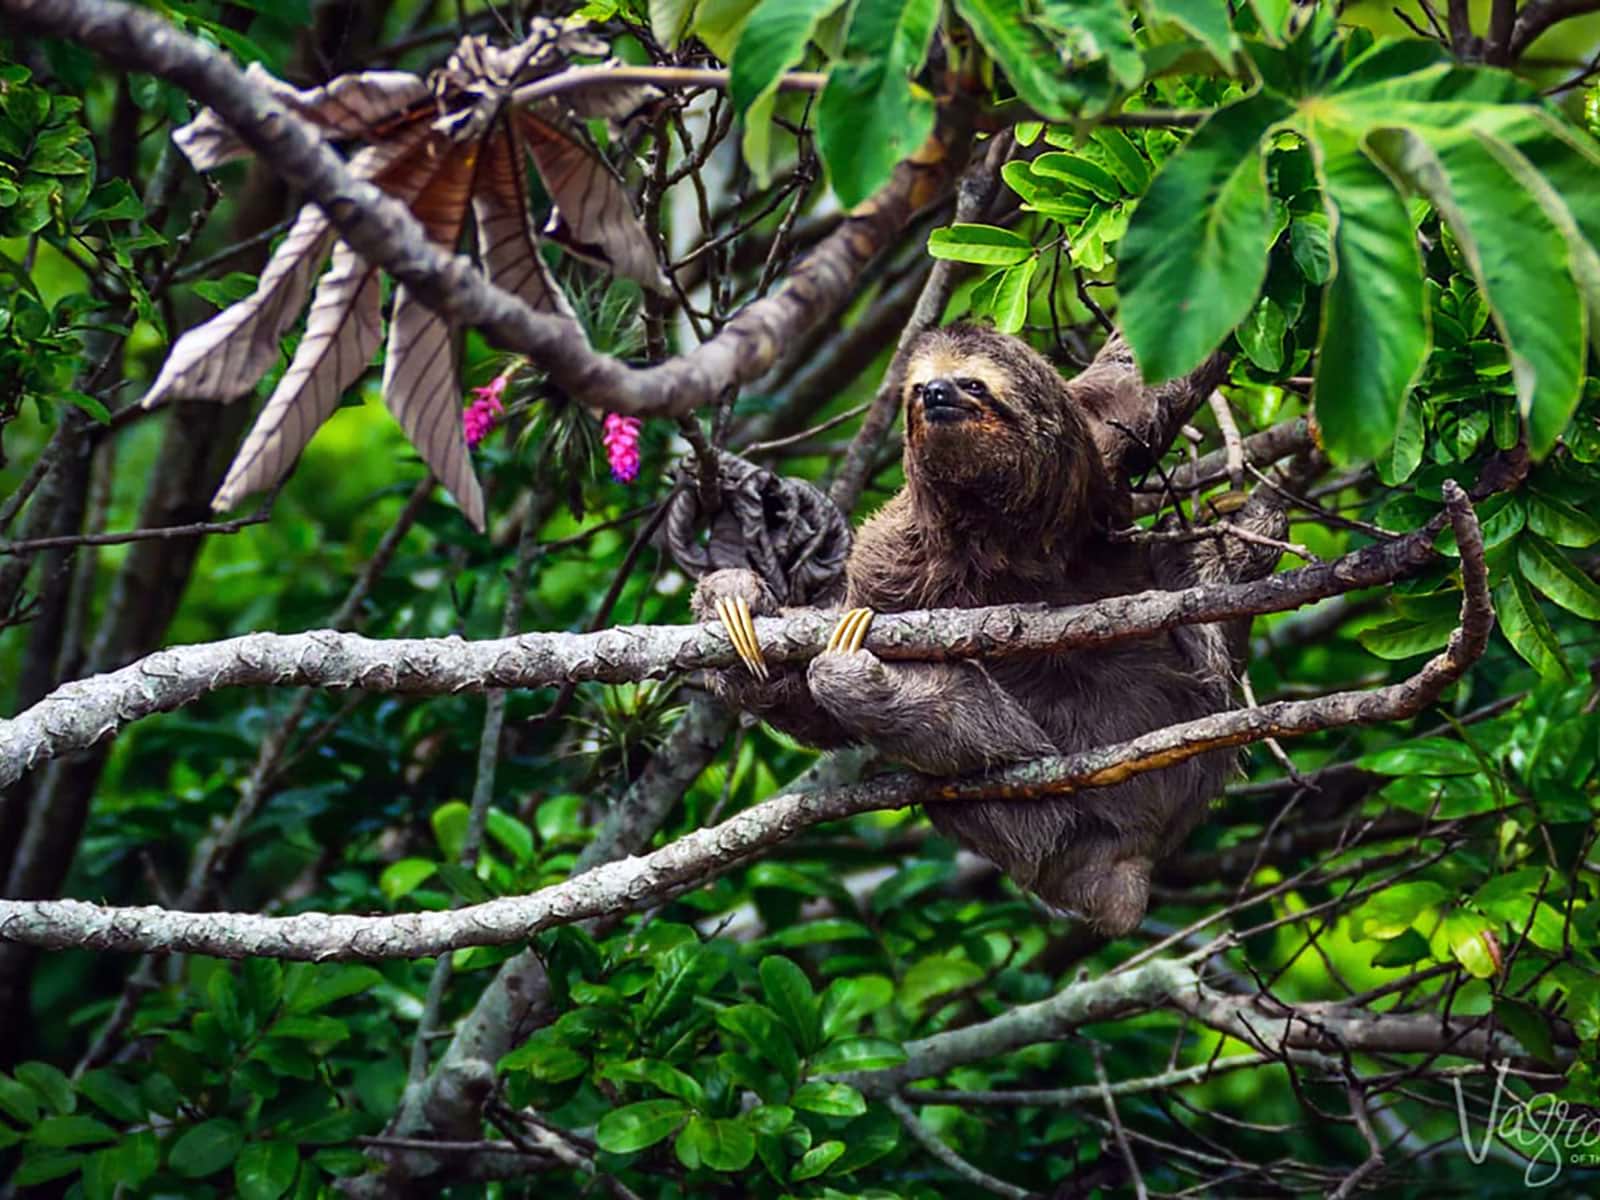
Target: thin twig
(926, 1138)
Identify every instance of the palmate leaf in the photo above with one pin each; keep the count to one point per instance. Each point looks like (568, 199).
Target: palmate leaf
(1478, 144)
(443, 148)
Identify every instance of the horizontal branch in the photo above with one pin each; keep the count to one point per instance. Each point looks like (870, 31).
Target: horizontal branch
(78, 715)
(383, 232)
(630, 884)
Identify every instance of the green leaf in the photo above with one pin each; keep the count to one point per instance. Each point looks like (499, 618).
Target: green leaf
(722, 1144)
(1405, 453)
(857, 1054)
(1195, 253)
(1423, 756)
(1467, 935)
(669, 19)
(18, 1101)
(1527, 630)
(1261, 335)
(49, 1084)
(1123, 159)
(1527, 280)
(759, 1026)
(1311, 247)
(1390, 913)
(828, 929)
(1397, 640)
(450, 822)
(985, 245)
(908, 882)
(817, 1160)
(1028, 38)
(870, 115)
(65, 1133)
(512, 834)
(1528, 1025)
(1554, 574)
(718, 23)
(1080, 172)
(1374, 337)
(207, 1148)
(637, 1126)
(660, 1075)
(265, 1170)
(308, 988)
(829, 1099)
(45, 1166)
(790, 996)
(1551, 517)
(1003, 296)
(112, 1094)
(1207, 20)
(934, 976)
(848, 1000)
(1402, 951)
(401, 878)
(684, 974)
(773, 40)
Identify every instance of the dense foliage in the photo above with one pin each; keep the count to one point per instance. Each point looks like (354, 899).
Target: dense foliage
(1392, 232)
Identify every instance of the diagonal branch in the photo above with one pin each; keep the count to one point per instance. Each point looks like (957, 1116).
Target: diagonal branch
(384, 233)
(631, 884)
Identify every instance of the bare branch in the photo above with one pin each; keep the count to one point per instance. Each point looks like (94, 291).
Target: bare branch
(930, 1142)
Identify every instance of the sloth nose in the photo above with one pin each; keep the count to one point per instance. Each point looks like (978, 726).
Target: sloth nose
(939, 392)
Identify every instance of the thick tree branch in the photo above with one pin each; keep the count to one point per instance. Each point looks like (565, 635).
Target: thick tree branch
(1537, 16)
(634, 883)
(80, 714)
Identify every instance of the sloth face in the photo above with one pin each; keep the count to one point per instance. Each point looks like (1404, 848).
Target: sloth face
(984, 415)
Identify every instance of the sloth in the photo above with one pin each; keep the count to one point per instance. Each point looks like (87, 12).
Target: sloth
(1007, 500)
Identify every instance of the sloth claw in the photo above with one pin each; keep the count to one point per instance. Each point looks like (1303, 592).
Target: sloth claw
(850, 632)
(734, 612)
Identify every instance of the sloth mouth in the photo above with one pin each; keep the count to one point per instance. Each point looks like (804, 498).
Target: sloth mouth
(945, 410)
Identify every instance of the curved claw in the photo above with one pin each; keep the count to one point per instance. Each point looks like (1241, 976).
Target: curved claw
(735, 615)
(850, 632)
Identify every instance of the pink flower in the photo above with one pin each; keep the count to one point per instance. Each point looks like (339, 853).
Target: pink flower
(478, 421)
(621, 436)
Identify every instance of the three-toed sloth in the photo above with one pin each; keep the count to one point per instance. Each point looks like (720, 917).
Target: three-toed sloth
(1008, 501)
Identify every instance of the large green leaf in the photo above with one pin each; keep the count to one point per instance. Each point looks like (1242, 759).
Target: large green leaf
(1527, 630)
(1195, 253)
(1557, 576)
(1374, 338)
(789, 994)
(871, 115)
(1030, 40)
(772, 41)
(1526, 279)
(1207, 20)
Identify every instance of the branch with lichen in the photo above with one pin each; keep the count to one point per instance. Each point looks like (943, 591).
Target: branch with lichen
(631, 884)
(80, 714)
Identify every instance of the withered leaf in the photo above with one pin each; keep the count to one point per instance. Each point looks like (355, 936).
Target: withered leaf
(446, 146)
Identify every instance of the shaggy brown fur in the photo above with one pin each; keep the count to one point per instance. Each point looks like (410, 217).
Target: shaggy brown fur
(1007, 501)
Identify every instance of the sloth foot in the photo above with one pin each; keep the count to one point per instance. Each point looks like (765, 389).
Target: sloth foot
(734, 612)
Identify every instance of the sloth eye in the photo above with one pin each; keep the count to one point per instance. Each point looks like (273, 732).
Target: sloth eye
(973, 387)
(916, 391)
